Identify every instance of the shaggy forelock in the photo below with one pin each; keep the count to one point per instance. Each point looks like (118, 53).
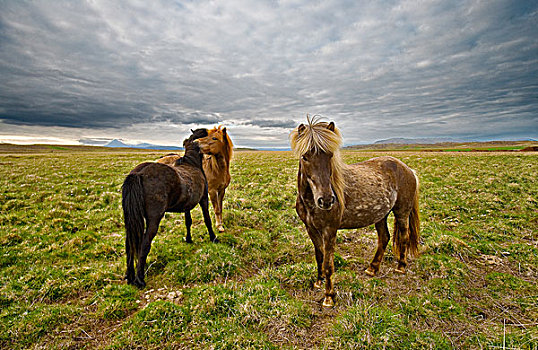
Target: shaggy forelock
(315, 136)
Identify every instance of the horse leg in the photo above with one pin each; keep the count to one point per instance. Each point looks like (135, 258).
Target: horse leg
(204, 204)
(329, 241)
(383, 237)
(218, 209)
(188, 223)
(151, 230)
(213, 196)
(402, 230)
(317, 240)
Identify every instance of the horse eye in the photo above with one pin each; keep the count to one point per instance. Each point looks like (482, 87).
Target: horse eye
(214, 138)
(304, 158)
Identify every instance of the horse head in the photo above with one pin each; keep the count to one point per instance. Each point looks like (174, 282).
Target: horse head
(217, 142)
(192, 149)
(315, 165)
(196, 134)
(316, 144)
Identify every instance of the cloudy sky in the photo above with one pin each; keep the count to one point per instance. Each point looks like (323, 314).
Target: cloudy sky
(148, 71)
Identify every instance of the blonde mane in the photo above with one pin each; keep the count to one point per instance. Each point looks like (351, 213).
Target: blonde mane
(317, 137)
(227, 150)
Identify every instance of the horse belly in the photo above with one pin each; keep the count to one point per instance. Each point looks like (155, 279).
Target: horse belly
(363, 217)
(191, 194)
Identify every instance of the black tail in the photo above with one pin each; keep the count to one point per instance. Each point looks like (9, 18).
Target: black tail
(133, 213)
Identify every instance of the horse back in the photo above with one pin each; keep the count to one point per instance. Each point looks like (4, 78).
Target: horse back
(169, 159)
(374, 188)
(407, 184)
(167, 188)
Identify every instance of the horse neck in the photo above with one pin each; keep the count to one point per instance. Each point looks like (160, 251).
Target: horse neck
(192, 156)
(220, 162)
(225, 154)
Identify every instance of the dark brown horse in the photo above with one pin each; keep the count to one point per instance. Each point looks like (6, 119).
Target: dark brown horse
(333, 195)
(150, 190)
(218, 149)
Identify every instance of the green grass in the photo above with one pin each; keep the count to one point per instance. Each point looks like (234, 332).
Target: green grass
(62, 261)
(490, 149)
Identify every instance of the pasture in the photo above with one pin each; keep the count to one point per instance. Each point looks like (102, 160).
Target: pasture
(62, 260)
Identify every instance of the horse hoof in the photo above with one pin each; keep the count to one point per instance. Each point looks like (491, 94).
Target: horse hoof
(328, 302)
(318, 284)
(370, 272)
(215, 240)
(400, 270)
(220, 228)
(139, 283)
(129, 276)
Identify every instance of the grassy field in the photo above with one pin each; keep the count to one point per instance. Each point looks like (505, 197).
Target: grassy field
(451, 146)
(62, 261)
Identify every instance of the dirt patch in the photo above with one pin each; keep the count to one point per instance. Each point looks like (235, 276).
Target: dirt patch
(322, 321)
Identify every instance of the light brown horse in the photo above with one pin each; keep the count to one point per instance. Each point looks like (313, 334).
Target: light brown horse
(218, 149)
(333, 195)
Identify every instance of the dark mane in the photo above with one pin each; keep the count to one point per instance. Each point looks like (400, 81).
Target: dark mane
(193, 156)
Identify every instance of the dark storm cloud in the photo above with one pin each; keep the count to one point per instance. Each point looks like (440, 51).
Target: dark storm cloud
(188, 118)
(52, 110)
(378, 69)
(286, 124)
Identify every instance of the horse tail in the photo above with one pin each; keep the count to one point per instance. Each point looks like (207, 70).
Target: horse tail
(133, 213)
(414, 228)
(414, 225)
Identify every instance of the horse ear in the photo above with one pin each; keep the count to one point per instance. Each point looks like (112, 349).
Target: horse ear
(300, 129)
(192, 131)
(224, 131)
(331, 126)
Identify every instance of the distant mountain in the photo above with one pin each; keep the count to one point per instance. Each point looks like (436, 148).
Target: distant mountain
(117, 143)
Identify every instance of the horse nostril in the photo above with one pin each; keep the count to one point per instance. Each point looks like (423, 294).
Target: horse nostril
(320, 202)
(333, 199)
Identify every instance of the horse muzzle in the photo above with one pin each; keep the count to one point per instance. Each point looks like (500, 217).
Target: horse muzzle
(326, 203)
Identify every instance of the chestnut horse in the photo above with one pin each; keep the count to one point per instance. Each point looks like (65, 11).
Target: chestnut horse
(333, 195)
(218, 149)
(150, 190)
